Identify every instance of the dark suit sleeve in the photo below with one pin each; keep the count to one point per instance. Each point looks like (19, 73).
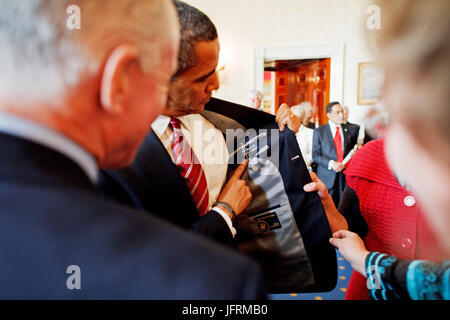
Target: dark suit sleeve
(317, 150)
(213, 226)
(367, 137)
(254, 288)
(356, 134)
(349, 208)
(129, 187)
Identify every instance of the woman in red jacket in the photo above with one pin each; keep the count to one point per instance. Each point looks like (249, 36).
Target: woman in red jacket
(385, 213)
(397, 195)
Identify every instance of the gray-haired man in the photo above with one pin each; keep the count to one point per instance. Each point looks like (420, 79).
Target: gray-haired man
(72, 101)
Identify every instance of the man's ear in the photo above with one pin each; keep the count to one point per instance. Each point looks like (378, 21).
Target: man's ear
(112, 84)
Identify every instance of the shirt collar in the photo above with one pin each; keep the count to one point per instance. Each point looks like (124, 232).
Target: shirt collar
(160, 124)
(333, 126)
(49, 138)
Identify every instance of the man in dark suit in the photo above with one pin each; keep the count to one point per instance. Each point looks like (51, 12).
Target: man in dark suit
(331, 144)
(158, 177)
(190, 89)
(345, 118)
(60, 239)
(365, 138)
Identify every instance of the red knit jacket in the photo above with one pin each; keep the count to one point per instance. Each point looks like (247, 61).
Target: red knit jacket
(395, 222)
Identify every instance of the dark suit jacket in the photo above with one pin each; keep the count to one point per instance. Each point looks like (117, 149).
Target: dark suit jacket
(52, 217)
(153, 182)
(324, 150)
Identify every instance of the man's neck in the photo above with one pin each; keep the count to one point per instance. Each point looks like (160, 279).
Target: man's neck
(333, 123)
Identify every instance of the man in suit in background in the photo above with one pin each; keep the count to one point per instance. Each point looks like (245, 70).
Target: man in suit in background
(205, 201)
(331, 144)
(74, 101)
(345, 119)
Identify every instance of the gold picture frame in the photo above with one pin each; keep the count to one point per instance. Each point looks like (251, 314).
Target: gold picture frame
(370, 81)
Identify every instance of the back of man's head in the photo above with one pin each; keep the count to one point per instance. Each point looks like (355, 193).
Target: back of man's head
(195, 26)
(299, 112)
(99, 83)
(42, 53)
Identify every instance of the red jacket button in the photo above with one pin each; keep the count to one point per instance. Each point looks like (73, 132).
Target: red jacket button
(406, 243)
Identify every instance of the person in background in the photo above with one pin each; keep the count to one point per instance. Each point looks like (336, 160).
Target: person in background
(361, 133)
(397, 195)
(345, 119)
(255, 97)
(304, 136)
(72, 101)
(332, 142)
(310, 114)
(375, 121)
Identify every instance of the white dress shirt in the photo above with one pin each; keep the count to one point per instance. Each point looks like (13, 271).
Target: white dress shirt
(333, 127)
(209, 146)
(305, 142)
(32, 131)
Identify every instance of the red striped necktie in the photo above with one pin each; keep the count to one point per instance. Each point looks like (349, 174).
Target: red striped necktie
(189, 168)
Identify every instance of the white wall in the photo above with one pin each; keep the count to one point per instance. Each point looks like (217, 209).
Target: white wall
(245, 24)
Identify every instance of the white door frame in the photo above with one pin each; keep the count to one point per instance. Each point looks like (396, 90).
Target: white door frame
(335, 51)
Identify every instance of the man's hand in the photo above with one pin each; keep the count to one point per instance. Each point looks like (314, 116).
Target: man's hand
(337, 166)
(236, 193)
(351, 248)
(286, 117)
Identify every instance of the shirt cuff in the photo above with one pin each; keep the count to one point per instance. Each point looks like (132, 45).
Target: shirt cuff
(329, 164)
(227, 220)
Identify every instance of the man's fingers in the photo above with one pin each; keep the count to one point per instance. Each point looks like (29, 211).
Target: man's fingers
(335, 242)
(282, 123)
(312, 186)
(341, 234)
(283, 108)
(281, 111)
(240, 170)
(282, 116)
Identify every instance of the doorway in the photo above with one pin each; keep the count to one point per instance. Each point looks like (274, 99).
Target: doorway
(317, 75)
(300, 80)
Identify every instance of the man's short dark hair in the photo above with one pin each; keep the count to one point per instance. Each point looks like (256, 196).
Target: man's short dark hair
(330, 106)
(195, 26)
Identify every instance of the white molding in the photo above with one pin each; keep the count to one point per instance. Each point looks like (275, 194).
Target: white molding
(335, 51)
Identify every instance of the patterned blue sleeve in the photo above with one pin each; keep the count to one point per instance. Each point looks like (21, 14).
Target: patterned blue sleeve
(391, 278)
(428, 281)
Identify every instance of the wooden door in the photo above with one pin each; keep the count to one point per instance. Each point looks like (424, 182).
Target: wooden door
(281, 88)
(309, 81)
(321, 88)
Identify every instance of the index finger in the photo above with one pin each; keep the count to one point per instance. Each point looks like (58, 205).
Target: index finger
(312, 186)
(281, 110)
(313, 176)
(240, 170)
(341, 234)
